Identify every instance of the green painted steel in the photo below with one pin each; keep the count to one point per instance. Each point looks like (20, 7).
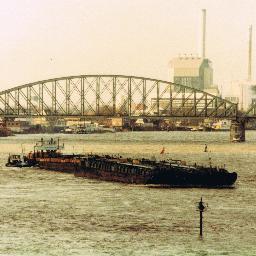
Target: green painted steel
(111, 95)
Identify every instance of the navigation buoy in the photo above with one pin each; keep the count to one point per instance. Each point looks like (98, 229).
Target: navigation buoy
(201, 208)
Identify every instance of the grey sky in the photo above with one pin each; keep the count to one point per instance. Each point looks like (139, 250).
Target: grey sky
(46, 39)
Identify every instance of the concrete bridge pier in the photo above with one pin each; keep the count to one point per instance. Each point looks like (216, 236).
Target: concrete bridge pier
(237, 131)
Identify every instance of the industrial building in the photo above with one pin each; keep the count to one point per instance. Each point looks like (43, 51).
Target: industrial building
(192, 71)
(243, 92)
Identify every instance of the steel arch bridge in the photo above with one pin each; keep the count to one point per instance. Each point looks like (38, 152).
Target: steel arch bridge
(111, 95)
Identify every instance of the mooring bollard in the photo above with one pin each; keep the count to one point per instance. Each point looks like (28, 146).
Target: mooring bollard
(201, 207)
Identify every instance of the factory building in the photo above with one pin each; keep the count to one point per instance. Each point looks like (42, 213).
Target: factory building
(243, 92)
(195, 72)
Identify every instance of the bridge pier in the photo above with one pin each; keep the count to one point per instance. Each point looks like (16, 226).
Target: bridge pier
(237, 131)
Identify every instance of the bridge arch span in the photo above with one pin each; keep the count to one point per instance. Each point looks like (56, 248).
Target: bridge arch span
(111, 95)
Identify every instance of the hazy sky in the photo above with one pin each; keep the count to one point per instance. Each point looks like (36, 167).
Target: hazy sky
(42, 39)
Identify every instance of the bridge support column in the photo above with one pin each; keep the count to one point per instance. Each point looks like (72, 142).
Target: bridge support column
(237, 131)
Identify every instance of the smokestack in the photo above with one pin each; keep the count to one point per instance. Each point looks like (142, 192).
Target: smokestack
(250, 55)
(203, 32)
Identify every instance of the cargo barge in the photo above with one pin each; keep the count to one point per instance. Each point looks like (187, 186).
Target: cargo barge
(47, 155)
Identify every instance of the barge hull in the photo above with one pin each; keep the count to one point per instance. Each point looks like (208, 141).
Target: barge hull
(173, 177)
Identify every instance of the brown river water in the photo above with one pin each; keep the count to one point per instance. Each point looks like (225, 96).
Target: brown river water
(51, 213)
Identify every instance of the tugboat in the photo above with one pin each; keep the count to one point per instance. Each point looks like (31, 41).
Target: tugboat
(17, 161)
(174, 173)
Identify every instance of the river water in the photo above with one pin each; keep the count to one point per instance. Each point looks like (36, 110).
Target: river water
(51, 213)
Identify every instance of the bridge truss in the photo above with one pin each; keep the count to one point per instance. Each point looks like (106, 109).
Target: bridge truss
(111, 95)
(251, 112)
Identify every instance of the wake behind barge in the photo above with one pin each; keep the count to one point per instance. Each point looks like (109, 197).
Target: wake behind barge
(47, 155)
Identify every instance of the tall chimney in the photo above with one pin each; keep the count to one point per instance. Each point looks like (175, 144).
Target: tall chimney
(203, 32)
(250, 55)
